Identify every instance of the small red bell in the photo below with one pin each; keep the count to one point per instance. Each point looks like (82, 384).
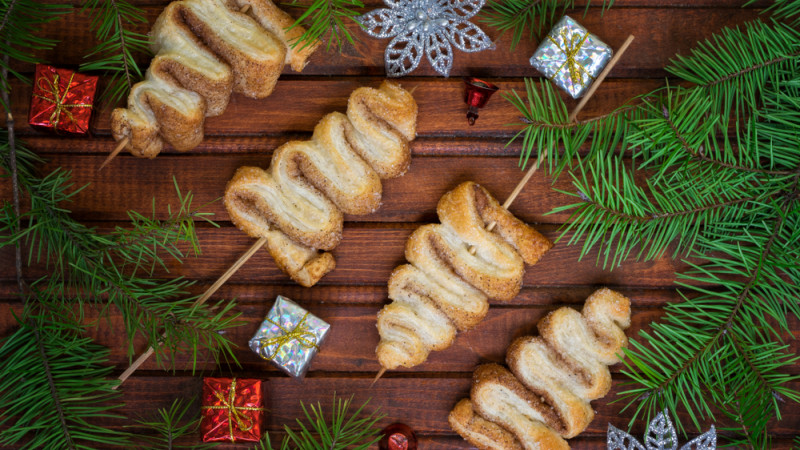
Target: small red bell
(398, 436)
(476, 94)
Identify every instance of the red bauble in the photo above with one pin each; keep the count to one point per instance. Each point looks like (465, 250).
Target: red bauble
(476, 94)
(398, 436)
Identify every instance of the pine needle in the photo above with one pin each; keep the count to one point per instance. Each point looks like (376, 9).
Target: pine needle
(20, 23)
(344, 430)
(114, 23)
(528, 18)
(709, 173)
(326, 20)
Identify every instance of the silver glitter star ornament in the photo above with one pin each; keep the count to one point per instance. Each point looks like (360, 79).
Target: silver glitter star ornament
(432, 27)
(661, 435)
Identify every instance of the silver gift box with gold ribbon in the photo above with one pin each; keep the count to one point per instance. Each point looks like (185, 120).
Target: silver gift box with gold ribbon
(289, 336)
(571, 57)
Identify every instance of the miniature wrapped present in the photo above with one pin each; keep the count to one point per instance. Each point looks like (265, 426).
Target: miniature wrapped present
(62, 100)
(571, 57)
(290, 336)
(231, 410)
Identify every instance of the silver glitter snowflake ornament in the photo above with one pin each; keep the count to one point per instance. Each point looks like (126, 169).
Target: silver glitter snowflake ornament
(661, 435)
(432, 27)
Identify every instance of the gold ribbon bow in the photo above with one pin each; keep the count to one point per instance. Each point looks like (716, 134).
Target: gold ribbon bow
(571, 47)
(243, 422)
(299, 333)
(61, 107)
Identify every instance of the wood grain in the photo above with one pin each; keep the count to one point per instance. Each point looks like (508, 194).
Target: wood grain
(428, 178)
(446, 152)
(661, 33)
(368, 256)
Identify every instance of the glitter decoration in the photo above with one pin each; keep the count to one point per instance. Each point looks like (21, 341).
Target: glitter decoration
(432, 27)
(571, 57)
(231, 410)
(62, 100)
(661, 435)
(290, 336)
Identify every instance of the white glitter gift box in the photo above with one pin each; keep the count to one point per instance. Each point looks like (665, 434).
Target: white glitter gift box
(290, 336)
(571, 57)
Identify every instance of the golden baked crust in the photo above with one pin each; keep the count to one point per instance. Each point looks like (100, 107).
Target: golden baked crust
(299, 201)
(278, 23)
(445, 288)
(479, 432)
(545, 397)
(205, 49)
(498, 397)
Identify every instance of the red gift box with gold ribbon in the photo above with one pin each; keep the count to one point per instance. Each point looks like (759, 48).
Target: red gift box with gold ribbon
(231, 410)
(62, 100)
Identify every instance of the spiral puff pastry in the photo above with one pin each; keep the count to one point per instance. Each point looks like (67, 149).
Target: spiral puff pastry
(544, 399)
(445, 288)
(205, 49)
(299, 201)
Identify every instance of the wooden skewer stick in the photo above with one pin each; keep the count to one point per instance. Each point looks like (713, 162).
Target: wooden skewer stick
(114, 153)
(202, 299)
(536, 163)
(127, 139)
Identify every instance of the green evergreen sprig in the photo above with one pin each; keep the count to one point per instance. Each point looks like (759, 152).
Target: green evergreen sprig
(115, 268)
(54, 386)
(710, 173)
(171, 425)
(532, 16)
(326, 19)
(20, 23)
(788, 10)
(546, 126)
(114, 22)
(344, 430)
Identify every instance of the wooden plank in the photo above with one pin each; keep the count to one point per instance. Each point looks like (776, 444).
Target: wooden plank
(422, 402)
(442, 112)
(660, 32)
(350, 347)
(375, 295)
(368, 256)
(133, 183)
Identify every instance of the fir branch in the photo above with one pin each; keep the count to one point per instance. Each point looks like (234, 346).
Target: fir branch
(37, 367)
(699, 351)
(545, 119)
(326, 18)
(788, 10)
(534, 16)
(344, 430)
(735, 82)
(170, 425)
(20, 22)
(102, 268)
(114, 22)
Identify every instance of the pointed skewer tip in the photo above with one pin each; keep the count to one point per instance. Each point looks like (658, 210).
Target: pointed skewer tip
(378, 376)
(114, 153)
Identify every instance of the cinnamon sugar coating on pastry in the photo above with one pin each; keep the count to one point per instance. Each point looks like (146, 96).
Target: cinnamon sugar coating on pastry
(478, 431)
(445, 288)
(544, 398)
(205, 50)
(299, 202)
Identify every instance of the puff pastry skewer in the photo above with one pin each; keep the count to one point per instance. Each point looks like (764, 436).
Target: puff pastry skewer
(544, 398)
(204, 51)
(535, 165)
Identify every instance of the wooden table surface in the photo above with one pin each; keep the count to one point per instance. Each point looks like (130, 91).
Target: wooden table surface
(446, 152)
